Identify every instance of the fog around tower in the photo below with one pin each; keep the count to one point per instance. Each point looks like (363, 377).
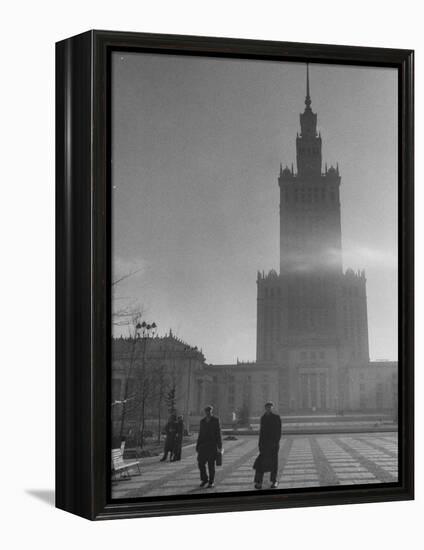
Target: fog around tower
(197, 145)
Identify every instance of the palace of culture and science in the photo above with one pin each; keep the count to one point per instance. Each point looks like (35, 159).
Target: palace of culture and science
(312, 327)
(312, 317)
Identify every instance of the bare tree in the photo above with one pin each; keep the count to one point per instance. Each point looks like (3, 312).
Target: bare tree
(171, 398)
(161, 385)
(133, 321)
(124, 315)
(124, 277)
(145, 331)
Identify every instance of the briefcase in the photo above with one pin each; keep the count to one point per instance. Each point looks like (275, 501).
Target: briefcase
(218, 459)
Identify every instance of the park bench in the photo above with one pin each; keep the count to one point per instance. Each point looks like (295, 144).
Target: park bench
(121, 467)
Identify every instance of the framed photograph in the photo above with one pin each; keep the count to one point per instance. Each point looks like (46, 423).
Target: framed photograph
(234, 275)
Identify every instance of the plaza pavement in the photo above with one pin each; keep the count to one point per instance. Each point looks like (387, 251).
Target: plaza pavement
(304, 461)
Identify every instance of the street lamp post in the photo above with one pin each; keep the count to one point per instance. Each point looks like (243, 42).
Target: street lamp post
(144, 331)
(187, 405)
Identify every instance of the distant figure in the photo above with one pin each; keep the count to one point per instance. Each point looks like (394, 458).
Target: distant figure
(178, 439)
(170, 432)
(209, 443)
(269, 445)
(234, 419)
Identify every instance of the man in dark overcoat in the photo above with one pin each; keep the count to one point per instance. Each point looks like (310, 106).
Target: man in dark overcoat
(170, 433)
(209, 443)
(176, 455)
(269, 445)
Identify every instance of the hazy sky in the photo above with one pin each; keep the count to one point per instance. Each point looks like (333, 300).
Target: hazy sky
(197, 144)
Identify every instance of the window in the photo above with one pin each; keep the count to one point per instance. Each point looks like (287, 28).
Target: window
(231, 395)
(322, 355)
(215, 394)
(303, 354)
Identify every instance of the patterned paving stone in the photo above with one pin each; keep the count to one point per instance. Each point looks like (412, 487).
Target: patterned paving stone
(304, 461)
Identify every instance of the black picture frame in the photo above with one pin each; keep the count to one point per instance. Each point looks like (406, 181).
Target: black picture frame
(83, 221)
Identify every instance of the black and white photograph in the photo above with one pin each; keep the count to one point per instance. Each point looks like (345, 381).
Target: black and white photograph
(254, 323)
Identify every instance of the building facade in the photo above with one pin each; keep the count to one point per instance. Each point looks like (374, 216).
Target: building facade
(151, 377)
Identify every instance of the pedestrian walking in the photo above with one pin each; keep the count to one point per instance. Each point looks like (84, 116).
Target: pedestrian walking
(269, 445)
(170, 433)
(176, 455)
(209, 444)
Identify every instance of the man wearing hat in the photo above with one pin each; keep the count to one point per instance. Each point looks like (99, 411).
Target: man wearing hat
(209, 443)
(269, 445)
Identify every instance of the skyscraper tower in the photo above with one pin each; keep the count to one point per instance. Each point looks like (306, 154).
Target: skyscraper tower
(310, 231)
(311, 317)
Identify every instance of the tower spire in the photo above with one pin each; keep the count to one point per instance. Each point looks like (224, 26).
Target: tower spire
(308, 96)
